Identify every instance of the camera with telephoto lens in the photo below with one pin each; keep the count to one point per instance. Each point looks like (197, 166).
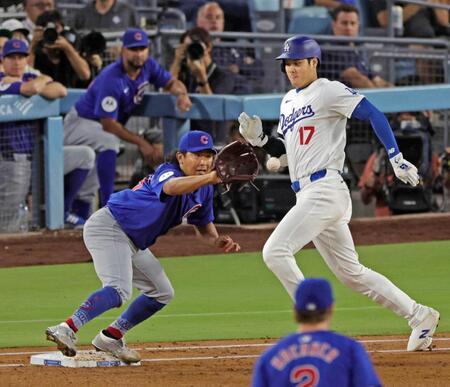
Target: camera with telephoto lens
(93, 43)
(195, 50)
(50, 34)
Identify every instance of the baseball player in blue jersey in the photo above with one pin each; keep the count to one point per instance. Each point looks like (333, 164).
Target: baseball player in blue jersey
(314, 356)
(99, 116)
(118, 237)
(17, 141)
(312, 136)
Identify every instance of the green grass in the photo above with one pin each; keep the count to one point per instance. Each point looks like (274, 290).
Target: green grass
(224, 296)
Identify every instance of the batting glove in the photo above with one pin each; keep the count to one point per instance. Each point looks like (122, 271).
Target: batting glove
(404, 170)
(251, 129)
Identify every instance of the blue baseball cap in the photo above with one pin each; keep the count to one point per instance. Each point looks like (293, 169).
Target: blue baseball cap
(313, 294)
(15, 46)
(134, 37)
(196, 141)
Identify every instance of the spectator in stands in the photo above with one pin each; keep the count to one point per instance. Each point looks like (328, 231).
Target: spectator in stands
(106, 15)
(241, 61)
(35, 8)
(418, 21)
(195, 67)
(377, 173)
(14, 29)
(348, 66)
(53, 51)
(92, 49)
(17, 141)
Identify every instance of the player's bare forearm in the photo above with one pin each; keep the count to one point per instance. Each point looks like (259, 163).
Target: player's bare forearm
(210, 236)
(34, 86)
(186, 184)
(176, 87)
(80, 66)
(53, 90)
(112, 126)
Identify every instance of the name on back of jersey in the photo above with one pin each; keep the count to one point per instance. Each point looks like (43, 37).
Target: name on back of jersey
(316, 349)
(288, 122)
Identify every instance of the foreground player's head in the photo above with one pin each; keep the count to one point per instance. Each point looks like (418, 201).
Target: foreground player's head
(196, 153)
(300, 58)
(313, 302)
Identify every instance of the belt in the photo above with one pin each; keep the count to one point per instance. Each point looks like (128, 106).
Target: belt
(303, 182)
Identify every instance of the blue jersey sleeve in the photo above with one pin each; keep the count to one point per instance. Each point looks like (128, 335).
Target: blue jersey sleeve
(205, 214)
(107, 100)
(367, 111)
(164, 173)
(158, 76)
(259, 379)
(363, 374)
(10, 88)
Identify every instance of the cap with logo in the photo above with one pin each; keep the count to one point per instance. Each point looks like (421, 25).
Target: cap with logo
(313, 294)
(15, 46)
(196, 141)
(134, 37)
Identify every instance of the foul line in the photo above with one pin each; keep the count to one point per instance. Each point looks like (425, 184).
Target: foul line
(228, 357)
(231, 346)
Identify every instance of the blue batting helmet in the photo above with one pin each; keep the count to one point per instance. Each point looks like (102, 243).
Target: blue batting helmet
(300, 47)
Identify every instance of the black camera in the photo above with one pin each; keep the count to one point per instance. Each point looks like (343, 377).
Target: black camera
(93, 43)
(50, 34)
(195, 50)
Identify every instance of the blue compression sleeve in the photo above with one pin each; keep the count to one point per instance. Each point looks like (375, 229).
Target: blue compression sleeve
(366, 111)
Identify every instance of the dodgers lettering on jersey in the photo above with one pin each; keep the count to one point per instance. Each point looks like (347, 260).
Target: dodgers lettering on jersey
(16, 137)
(146, 212)
(113, 94)
(315, 359)
(313, 123)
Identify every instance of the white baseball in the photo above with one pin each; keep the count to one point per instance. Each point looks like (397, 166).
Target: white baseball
(273, 164)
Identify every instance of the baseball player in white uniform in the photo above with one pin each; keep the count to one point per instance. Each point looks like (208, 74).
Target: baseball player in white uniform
(312, 133)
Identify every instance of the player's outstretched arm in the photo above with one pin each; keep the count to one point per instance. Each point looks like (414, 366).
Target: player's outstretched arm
(403, 169)
(186, 184)
(210, 236)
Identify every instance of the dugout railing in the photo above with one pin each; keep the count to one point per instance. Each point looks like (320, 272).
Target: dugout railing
(215, 107)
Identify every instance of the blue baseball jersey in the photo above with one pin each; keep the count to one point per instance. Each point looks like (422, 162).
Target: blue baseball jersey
(146, 212)
(113, 94)
(18, 136)
(316, 359)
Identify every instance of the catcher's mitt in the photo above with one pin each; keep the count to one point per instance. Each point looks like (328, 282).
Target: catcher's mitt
(236, 162)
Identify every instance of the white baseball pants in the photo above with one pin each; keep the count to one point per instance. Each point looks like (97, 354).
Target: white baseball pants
(321, 215)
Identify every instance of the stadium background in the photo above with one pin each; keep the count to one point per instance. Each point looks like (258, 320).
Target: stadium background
(226, 362)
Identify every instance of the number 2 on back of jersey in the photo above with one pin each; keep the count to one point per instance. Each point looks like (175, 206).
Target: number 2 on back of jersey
(305, 134)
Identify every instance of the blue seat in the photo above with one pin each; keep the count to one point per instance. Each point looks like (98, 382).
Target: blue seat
(310, 20)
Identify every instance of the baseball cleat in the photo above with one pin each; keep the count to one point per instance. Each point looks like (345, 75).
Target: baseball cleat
(422, 335)
(64, 337)
(117, 348)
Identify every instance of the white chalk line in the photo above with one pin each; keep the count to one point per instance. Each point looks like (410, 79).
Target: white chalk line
(183, 315)
(231, 346)
(231, 357)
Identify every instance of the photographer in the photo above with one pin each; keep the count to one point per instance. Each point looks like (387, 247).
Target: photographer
(194, 66)
(53, 51)
(92, 49)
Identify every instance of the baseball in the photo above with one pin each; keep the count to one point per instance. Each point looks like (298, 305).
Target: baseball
(273, 164)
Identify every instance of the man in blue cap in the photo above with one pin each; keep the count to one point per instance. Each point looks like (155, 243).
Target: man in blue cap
(118, 237)
(315, 356)
(99, 117)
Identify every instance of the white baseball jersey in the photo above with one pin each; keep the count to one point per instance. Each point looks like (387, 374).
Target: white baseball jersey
(313, 122)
